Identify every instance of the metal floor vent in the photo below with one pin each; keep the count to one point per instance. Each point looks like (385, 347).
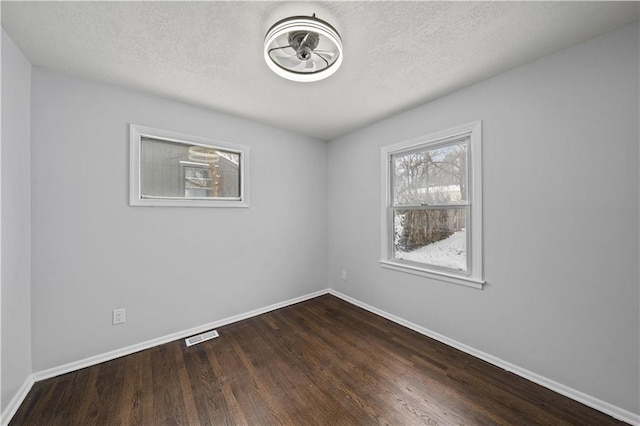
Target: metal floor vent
(208, 335)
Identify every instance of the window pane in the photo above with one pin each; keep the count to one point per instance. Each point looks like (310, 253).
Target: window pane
(431, 176)
(432, 237)
(172, 169)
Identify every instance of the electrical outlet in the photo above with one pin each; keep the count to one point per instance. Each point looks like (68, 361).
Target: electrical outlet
(344, 275)
(118, 316)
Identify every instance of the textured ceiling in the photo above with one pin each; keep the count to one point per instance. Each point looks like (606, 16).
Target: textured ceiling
(397, 55)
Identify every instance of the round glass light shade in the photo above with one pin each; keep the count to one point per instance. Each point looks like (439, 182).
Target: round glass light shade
(303, 48)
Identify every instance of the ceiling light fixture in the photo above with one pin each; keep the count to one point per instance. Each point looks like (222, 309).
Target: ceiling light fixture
(302, 48)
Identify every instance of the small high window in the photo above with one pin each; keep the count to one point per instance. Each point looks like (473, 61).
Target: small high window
(433, 206)
(172, 169)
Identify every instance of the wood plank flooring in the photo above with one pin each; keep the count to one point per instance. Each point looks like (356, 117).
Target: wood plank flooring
(320, 362)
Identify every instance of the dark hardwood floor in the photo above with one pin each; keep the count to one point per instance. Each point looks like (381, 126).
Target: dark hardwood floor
(323, 362)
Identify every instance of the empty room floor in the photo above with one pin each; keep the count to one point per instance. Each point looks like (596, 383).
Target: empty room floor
(323, 361)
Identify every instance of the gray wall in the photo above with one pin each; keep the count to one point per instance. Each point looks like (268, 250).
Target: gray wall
(560, 162)
(16, 220)
(171, 268)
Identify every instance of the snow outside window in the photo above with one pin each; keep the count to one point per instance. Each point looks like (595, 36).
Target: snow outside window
(433, 207)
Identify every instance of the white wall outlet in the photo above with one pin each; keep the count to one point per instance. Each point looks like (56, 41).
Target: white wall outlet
(343, 275)
(118, 316)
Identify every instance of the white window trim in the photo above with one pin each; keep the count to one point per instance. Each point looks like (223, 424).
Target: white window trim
(137, 132)
(474, 278)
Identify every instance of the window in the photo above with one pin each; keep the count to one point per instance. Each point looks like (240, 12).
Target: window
(172, 169)
(432, 218)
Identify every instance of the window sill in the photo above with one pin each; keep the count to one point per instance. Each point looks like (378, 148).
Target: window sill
(464, 281)
(184, 202)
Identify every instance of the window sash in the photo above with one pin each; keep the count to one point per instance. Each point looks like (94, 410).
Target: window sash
(163, 173)
(468, 235)
(460, 139)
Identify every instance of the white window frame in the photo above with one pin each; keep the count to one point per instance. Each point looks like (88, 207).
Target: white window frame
(473, 277)
(137, 132)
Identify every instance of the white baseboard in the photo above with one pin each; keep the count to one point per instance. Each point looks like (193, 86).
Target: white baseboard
(97, 359)
(16, 401)
(605, 407)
